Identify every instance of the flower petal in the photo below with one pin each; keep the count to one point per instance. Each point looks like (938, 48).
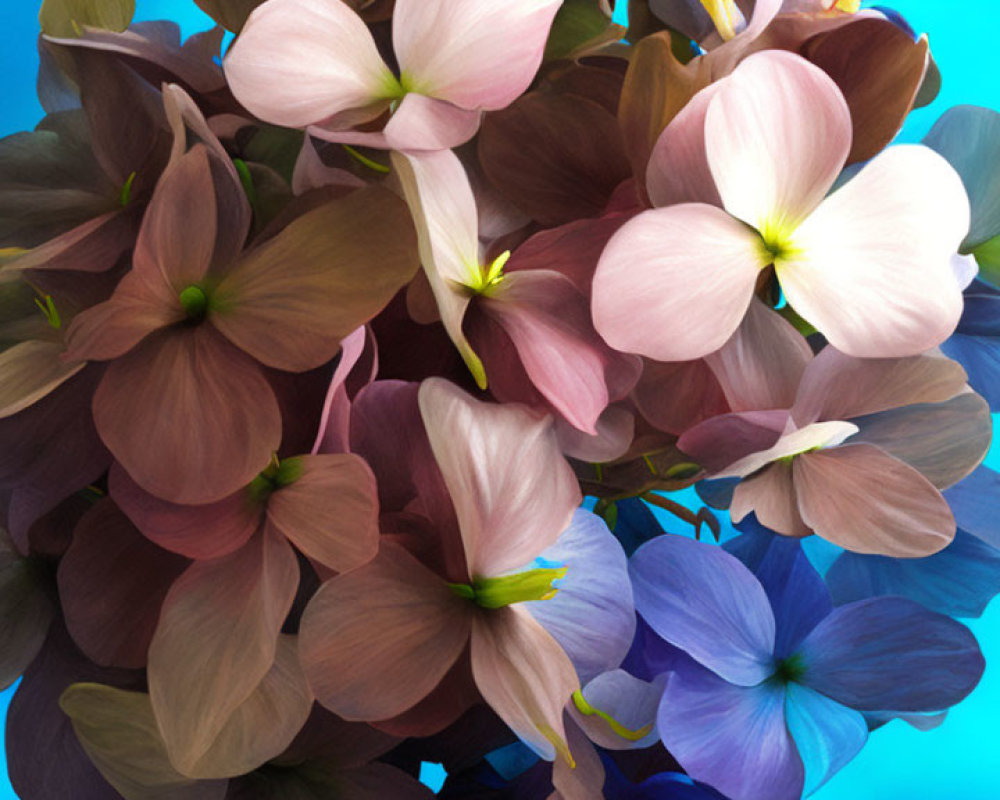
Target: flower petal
(798, 440)
(110, 611)
(330, 512)
(511, 488)
(732, 737)
(200, 532)
(770, 495)
(374, 642)
(118, 731)
(777, 134)
(231, 422)
(891, 654)
(426, 123)
(299, 62)
(838, 386)
(726, 439)
(827, 734)
(674, 283)
(30, 371)
(26, 610)
(591, 616)
(290, 301)
(440, 198)
(871, 268)
(702, 600)
(631, 702)
(216, 641)
(945, 442)
(973, 500)
(859, 497)
(969, 136)
(470, 54)
(525, 676)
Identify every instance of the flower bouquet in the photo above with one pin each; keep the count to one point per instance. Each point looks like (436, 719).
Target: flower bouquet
(352, 368)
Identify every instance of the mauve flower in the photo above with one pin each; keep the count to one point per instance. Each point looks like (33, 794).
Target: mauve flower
(541, 311)
(768, 681)
(189, 327)
(766, 144)
(377, 641)
(314, 64)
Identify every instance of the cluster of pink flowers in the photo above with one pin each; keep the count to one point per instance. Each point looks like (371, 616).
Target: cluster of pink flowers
(339, 373)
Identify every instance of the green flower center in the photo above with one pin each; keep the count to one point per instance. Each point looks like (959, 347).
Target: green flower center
(194, 301)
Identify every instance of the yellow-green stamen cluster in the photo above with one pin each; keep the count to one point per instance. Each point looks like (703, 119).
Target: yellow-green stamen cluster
(48, 307)
(125, 195)
(277, 475)
(483, 280)
(521, 587)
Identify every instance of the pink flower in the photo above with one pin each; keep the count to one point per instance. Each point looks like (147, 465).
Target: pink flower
(314, 64)
(868, 266)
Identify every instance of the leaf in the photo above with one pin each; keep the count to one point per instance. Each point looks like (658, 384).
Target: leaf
(67, 18)
(581, 27)
(230, 14)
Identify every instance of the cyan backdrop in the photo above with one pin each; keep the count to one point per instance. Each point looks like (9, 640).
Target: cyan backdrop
(958, 761)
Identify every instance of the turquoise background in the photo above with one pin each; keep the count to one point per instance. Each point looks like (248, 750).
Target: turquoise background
(961, 759)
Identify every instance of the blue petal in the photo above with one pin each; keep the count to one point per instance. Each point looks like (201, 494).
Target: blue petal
(827, 734)
(980, 357)
(591, 616)
(635, 525)
(718, 493)
(704, 601)
(974, 501)
(731, 737)
(891, 654)
(959, 581)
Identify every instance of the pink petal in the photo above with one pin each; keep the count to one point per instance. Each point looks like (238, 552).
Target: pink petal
(472, 54)
(290, 301)
(31, 370)
(548, 320)
(811, 437)
(93, 246)
(837, 386)
(678, 170)
(376, 641)
(298, 62)
(615, 431)
(265, 724)
(770, 494)
(334, 425)
(584, 780)
(112, 583)
(674, 283)
(723, 440)
(777, 135)
(426, 123)
(512, 490)
(312, 173)
(864, 500)
(330, 512)
(188, 416)
(525, 677)
(761, 365)
(440, 198)
(199, 532)
(872, 267)
(216, 641)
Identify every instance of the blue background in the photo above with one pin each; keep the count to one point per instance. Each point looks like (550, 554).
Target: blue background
(961, 759)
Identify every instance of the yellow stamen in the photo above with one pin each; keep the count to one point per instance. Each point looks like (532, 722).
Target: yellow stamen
(482, 280)
(726, 16)
(848, 6)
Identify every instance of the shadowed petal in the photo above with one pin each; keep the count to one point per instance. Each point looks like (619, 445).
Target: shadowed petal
(216, 641)
(943, 441)
(731, 737)
(838, 386)
(974, 502)
(960, 581)
(777, 134)
(291, 301)
(299, 62)
(524, 675)
(631, 702)
(199, 532)
(330, 512)
(726, 439)
(591, 616)
(374, 642)
(702, 600)
(118, 731)
(889, 653)
(859, 497)
(208, 419)
(871, 268)
(471, 54)
(674, 283)
(112, 583)
(770, 495)
(676, 396)
(512, 490)
(26, 612)
(30, 371)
